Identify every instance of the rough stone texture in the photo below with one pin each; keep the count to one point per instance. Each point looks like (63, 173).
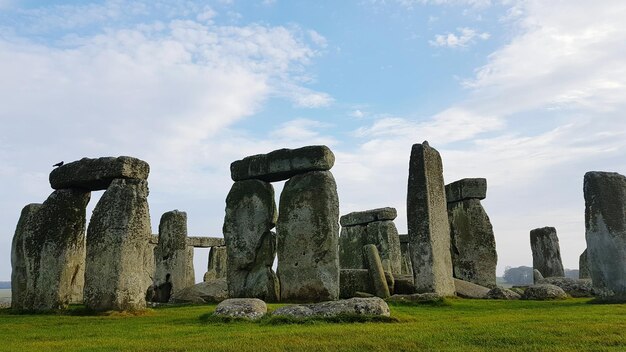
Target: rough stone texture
(356, 305)
(55, 251)
(605, 223)
(283, 164)
(250, 243)
(218, 259)
(473, 243)
(537, 276)
(467, 188)
(351, 242)
(583, 266)
(416, 297)
(20, 262)
(546, 252)
(543, 292)
(427, 220)
(404, 285)
(469, 290)
(120, 259)
(249, 308)
(367, 216)
(97, 174)
(308, 234)
(502, 293)
(376, 271)
(383, 234)
(204, 292)
(352, 281)
(294, 311)
(406, 266)
(205, 242)
(173, 257)
(573, 287)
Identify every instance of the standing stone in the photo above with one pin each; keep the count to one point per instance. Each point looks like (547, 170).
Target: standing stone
(308, 233)
(427, 219)
(376, 272)
(605, 223)
(406, 266)
(384, 235)
(546, 252)
(250, 243)
(216, 268)
(173, 256)
(583, 266)
(118, 271)
(351, 243)
(19, 256)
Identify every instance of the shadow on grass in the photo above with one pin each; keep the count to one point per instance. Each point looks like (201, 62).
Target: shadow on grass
(210, 318)
(442, 302)
(79, 311)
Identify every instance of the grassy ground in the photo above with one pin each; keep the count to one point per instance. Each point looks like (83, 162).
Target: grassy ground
(463, 325)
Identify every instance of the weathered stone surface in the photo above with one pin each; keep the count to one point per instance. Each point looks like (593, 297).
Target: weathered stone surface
(217, 264)
(376, 272)
(205, 242)
(543, 292)
(173, 257)
(97, 174)
(502, 293)
(403, 284)
(204, 292)
(20, 260)
(367, 216)
(473, 243)
(469, 290)
(467, 188)
(416, 297)
(308, 234)
(583, 266)
(356, 305)
(574, 288)
(427, 220)
(537, 276)
(546, 252)
(406, 266)
(352, 281)
(283, 164)
(351, 242)
(120, 260)
(404, 238)
(250, 243)
(605, 223)
(293, 311)
(249, 308)
(383, 234)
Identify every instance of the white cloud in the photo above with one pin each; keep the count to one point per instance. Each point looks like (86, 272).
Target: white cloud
(318, 39)
(357, 113)
(466, 37)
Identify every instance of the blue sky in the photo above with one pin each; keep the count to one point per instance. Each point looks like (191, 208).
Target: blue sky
(529, 94)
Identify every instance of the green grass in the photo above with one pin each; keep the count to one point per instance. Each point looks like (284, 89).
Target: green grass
(459, 325)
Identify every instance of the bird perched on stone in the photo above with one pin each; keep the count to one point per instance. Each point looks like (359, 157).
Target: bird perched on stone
(58, 164)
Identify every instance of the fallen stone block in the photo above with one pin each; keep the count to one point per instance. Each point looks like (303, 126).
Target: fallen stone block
(357, 305)
(573, 287)
(204, 292)
(502, 293)
(543, 292)
(469, 290)
(248, 308)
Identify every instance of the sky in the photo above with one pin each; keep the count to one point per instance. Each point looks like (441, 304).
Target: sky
(529, 94)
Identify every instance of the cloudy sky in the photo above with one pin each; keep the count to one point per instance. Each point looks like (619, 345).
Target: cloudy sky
(529, 94)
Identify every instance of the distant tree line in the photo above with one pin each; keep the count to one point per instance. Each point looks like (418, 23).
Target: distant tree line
(523, 275)
(5, 284)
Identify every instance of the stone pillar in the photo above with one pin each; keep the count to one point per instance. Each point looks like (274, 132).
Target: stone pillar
(216, 268)
(250, 244)
(308, 234)
(406, 266)
(583, 266)
(376, 272)
(546, 252)
(605, 223)
(173, 256)
(427, 220)
(118, 271)
(473, 243)
(21, 257)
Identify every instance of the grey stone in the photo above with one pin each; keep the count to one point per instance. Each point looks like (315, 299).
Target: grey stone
(248, 308)
(605, 223)
(467, 289)
(404, 238)
(308, 234)
(416, 298)
(403, 284)
(406, 266)
(250, 243)
(543, 292)
(573, 287)
(583, 266)
(473, 243)
(217, 264)
(352, 281)
(467, 188)
(21, 258)
(383, 234)
(546, 252)
(427, 220)
(97, 174)
(293, 311)
(120, 259)
(351, 242)
(174, 259)
(502, 293)
(205, 242)
(356, 305)
(376, 272)
(204, 292)
(283, 164)
(359, 294)
(367, 216)
(537, 276)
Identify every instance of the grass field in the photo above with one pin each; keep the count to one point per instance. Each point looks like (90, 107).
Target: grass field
(463, 325)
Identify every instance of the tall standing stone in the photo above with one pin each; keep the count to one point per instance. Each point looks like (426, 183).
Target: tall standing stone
(250, 243)
(605, 223)
(473, 243)
(118, 271)
(583, 266)
(546, 252)
(216, 268)
(427, 219)
(308, 232)
(20, 256)
(173, 256)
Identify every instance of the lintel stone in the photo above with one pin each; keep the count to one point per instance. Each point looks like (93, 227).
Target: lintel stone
(467, 188)
(367, 216)
(97, 174)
